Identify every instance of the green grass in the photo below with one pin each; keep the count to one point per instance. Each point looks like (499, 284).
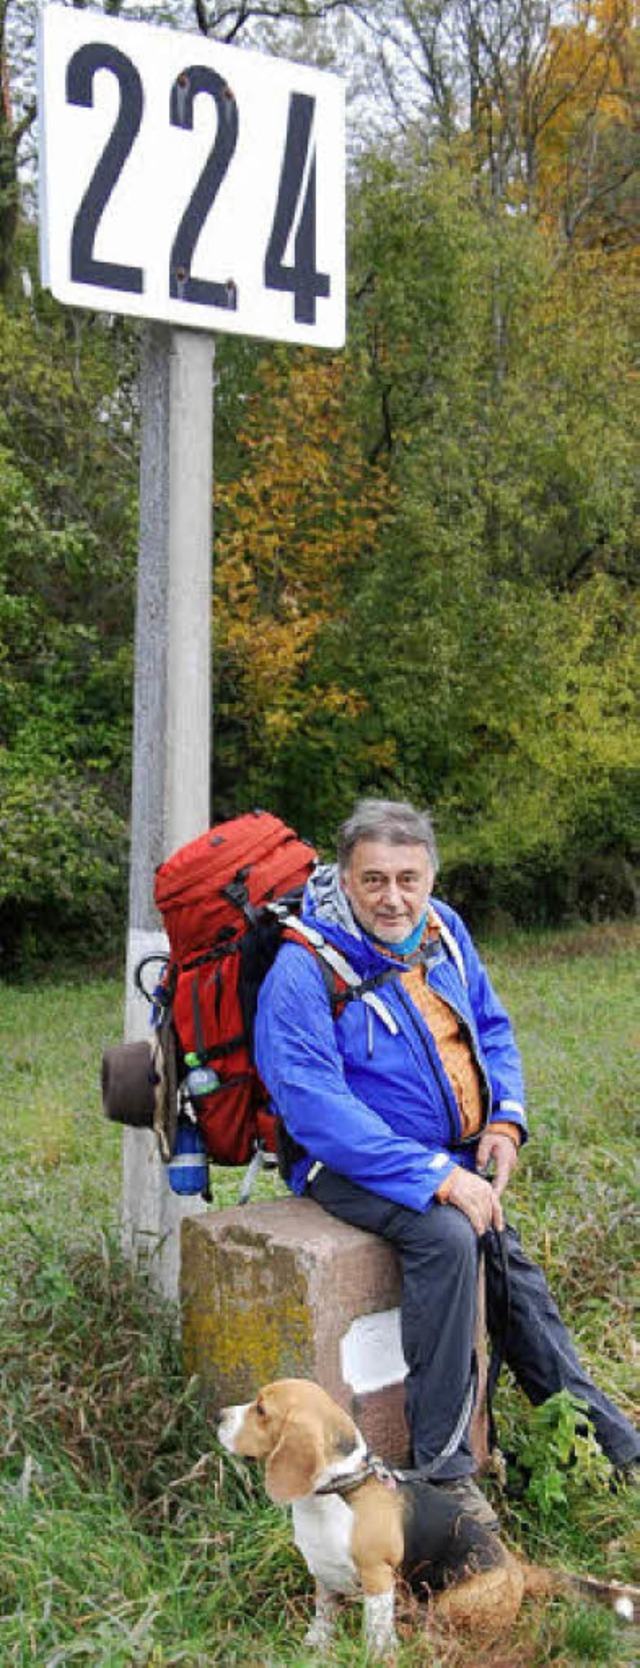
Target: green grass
(128, 1541)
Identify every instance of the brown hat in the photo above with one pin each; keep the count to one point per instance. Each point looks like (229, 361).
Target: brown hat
(139, 1086)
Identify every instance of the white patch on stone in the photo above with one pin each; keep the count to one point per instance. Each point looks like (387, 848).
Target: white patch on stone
(371, 1352)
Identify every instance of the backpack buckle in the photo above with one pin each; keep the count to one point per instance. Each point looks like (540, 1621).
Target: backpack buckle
(236, 891)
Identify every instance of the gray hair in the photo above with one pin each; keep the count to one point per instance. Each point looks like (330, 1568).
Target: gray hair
(391, 820)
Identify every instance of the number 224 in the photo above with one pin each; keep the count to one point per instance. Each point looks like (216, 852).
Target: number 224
(299, 278)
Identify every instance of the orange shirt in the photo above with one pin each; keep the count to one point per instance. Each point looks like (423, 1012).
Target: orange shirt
(452, 1045)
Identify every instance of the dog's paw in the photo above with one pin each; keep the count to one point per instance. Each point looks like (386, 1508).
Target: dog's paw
(383, 1653)
(380, 1634)
(320, 1635)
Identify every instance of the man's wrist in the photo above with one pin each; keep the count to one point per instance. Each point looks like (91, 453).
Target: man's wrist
(442, 1192)
(498, 1127)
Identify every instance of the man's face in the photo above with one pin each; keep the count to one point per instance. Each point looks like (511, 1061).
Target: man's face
(388, 887)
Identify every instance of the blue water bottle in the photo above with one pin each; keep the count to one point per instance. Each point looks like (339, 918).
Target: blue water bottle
(188, 1166)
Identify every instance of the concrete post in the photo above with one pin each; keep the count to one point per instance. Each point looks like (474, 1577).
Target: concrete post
(172, 714)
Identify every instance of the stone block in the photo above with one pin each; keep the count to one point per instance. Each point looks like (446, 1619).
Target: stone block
(282, 1290)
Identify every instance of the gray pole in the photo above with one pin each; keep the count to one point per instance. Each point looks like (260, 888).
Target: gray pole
(172, 713)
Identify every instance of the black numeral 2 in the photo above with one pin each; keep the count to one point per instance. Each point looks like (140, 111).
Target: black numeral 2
(183, 93)
(295, 211)
(80, 73)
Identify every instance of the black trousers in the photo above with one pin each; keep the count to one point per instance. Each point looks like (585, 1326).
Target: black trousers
(438, 1252)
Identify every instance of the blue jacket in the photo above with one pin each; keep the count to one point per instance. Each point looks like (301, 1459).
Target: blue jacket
(365, 1093)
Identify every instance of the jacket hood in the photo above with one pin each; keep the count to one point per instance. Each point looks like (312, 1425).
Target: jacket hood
(325, 902)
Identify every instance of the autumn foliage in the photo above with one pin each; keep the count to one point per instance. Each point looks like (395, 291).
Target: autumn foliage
(301, 518)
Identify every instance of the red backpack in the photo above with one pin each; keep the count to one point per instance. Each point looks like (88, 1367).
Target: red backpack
(226, 899)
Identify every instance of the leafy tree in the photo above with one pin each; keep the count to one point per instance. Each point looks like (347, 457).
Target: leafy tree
(14, 125)
(67, 549)
(587, 152)
(482, 633)
(61, 835)
(296, 521)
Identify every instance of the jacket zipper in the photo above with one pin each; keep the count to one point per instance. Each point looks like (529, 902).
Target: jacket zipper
(434, 1063)
(477, 1061)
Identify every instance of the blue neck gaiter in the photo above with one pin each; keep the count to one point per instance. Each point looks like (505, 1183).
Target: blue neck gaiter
(408, 945)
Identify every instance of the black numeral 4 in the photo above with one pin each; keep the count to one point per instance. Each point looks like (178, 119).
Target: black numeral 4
(297, 202)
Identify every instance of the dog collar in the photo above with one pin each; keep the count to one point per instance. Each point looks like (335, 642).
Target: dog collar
(351, 1480)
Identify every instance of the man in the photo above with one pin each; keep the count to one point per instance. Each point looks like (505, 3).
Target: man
(395, 1108)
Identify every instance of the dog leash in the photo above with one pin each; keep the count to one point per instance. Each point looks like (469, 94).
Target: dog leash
(499, 1238)
(424, 1473)
(392, 1475)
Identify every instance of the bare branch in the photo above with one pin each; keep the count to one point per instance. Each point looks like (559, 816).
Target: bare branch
(227, 22)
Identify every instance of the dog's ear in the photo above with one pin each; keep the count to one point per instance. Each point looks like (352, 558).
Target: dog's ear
(296, 1461)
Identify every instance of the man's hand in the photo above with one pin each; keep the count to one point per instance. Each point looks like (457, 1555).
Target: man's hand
(477, 1198)
(494, 1144)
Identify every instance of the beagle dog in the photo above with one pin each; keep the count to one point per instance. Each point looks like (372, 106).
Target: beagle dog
(357, 1523)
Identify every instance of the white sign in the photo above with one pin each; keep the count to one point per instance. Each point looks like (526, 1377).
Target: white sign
(190, 182)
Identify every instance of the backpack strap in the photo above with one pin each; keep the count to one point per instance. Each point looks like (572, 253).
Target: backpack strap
(337, 972)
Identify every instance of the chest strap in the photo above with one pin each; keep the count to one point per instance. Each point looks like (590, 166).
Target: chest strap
(354, 988)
